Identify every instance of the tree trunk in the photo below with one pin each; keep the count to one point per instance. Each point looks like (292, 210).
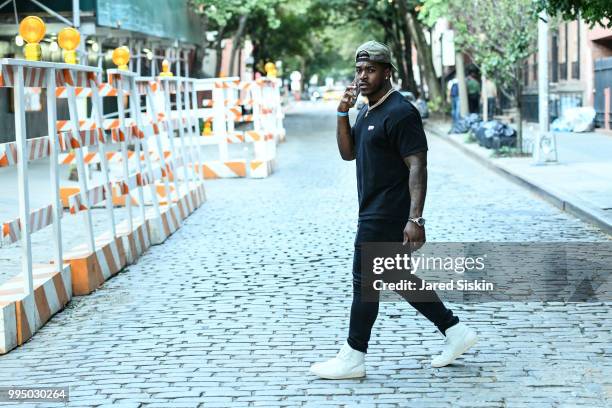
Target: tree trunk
(399, 57)
(200, 51)
(218, 52)
(412, 86)
(421, 80)
(519, 114)
(218, 57)
(403, 28)
(424, 53)
(394, 41)
(388, 34)
(303, 80)
(255, 55)
(236, 46)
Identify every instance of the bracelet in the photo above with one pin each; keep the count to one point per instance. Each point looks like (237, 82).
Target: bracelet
(342, 113)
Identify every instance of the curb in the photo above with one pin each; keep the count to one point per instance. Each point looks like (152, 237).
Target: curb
(574, 206)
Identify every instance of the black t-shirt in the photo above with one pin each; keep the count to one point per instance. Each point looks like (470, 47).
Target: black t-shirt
(390, 132)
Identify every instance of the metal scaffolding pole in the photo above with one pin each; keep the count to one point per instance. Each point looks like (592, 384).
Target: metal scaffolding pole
(76, 13)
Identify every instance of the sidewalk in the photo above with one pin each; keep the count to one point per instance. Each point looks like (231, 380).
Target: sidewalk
(580, 183)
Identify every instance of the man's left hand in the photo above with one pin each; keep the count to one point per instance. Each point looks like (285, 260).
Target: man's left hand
(414, 235)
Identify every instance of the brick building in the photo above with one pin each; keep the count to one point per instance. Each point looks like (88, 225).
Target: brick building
(575, 54)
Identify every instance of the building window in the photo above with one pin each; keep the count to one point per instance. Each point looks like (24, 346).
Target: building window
(576, 63)
(576, 70)
(563, 71)
(554, 78)
(566, 52)
(562, 52)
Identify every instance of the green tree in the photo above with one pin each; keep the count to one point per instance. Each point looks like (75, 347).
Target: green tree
(408, 10)
(592, 11)
(315, 36)
(380, 20)
(498, 35)
(401, 30)
(299, 40)
(229, 18)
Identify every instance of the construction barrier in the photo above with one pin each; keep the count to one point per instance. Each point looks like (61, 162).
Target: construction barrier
(138, 160)
(149, 158)
(230, 96)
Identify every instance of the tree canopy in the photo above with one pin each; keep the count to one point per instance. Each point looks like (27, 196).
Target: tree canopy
(319, 36)
(591, 11)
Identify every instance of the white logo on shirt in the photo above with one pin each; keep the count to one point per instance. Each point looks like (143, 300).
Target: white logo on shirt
(371, 127)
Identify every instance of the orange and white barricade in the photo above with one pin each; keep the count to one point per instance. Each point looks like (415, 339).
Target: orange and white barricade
(184, 156)
(224, 111)
(268, 113)
(161, 223)
(107, 254)
(28, 300)
(161, 155)
(100, 257)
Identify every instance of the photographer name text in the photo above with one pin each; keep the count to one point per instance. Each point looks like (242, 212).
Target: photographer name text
(460, 284)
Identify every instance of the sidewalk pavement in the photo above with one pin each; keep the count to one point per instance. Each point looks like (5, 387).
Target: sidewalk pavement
(580, 183)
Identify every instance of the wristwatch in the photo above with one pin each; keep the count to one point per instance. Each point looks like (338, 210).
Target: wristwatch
(420, 221)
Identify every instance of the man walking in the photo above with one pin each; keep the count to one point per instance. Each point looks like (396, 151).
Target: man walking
(390, 149)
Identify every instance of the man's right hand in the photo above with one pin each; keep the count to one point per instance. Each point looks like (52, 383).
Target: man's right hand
(348, 99)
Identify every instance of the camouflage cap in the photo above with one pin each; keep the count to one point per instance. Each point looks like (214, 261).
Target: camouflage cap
(374, 51)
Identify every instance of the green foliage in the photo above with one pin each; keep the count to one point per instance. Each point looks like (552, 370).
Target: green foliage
(437, 105)
(497, 35)
(222, 12)
(431, 11)
(312, 36)
(279, 30)
(300, 38)
(592, 11)
(316, 36)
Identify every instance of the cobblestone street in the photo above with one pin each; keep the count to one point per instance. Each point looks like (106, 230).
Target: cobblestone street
(234, 307)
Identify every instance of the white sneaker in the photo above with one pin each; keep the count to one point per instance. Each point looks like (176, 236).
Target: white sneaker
(459, 338)
(349, 363)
